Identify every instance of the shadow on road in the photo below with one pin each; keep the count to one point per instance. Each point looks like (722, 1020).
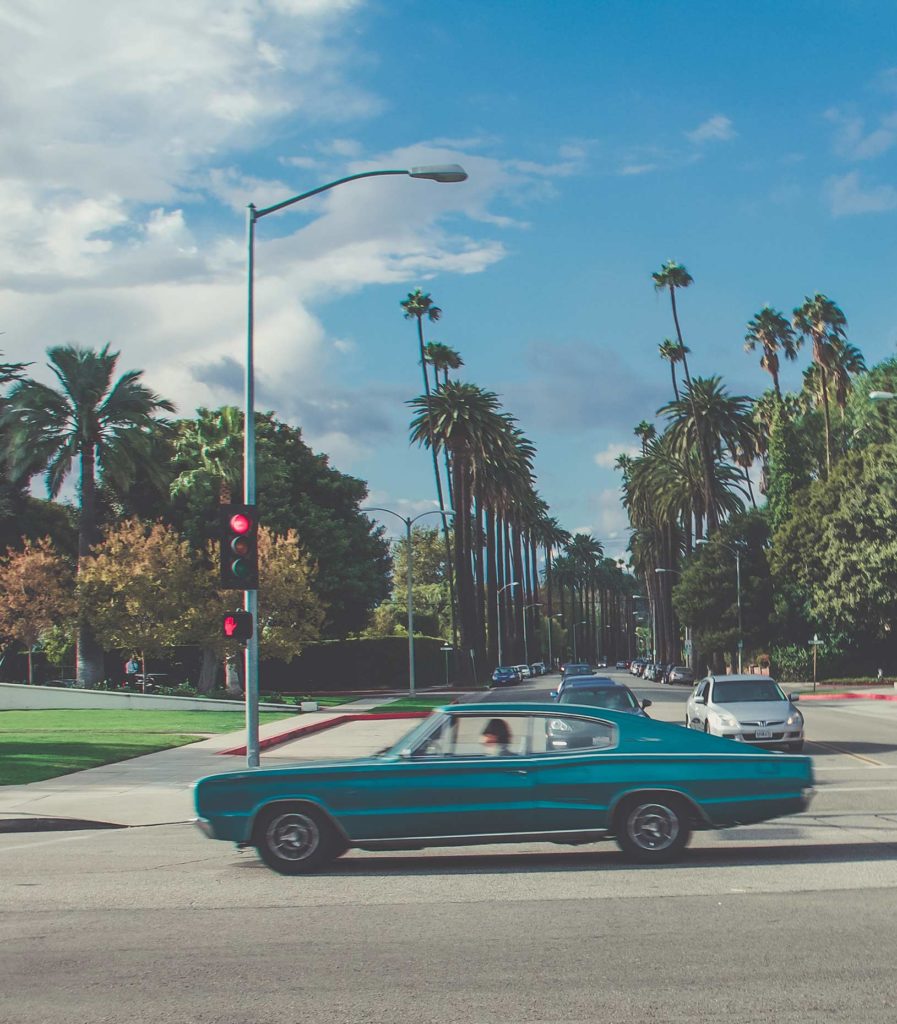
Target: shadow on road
(608, 859)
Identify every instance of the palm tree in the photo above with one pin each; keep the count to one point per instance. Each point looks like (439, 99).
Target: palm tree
(466, 420)
(444, 358)
(106, 426)
(713, 422)
(772, 332)
(822, 321)
(673, 354)
(646, 432)
(673, 275)
(212, 446)
(418, 305)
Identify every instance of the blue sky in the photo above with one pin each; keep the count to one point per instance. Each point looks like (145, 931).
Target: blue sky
(753, 143)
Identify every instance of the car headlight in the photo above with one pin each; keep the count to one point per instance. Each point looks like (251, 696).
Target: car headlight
(795, 718)
(727, 721)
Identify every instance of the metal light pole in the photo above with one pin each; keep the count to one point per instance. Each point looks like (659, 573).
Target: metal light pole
(439, 172)
(507, 586)
(575, 624)
(409, 558)
(535, 604)
(446, 650)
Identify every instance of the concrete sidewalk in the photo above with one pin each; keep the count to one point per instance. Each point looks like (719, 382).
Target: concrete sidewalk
(157, 789)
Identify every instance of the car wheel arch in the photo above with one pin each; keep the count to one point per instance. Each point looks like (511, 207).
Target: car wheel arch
(696, 816)
(296, 802)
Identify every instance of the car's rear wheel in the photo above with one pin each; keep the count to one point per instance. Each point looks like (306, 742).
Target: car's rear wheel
(296, 839)
(652, 829)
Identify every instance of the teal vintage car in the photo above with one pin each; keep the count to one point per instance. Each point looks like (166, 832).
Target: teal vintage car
(507, 772)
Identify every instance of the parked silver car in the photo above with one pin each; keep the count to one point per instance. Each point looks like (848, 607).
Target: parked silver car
(751, 709)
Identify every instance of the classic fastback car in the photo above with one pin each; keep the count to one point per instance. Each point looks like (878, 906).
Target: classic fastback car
(493, 773)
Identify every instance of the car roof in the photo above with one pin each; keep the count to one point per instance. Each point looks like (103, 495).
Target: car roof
(742, 679)
(573, 681)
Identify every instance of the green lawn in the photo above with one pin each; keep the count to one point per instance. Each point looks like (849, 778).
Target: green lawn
(38, 745)
(413, 704)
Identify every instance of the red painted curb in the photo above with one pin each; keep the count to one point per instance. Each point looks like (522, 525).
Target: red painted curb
(313, 727)
(848, 696)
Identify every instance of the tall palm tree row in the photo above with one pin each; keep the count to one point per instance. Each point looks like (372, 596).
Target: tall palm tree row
(107, 426)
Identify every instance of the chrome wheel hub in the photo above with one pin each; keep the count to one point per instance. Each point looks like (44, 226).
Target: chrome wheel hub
(293, 836)
(652, 826)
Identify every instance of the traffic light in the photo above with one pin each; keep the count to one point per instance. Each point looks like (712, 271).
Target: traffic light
(239, 547)
(237, 625)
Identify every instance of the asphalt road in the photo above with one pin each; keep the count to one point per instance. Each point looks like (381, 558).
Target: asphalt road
(792, 920)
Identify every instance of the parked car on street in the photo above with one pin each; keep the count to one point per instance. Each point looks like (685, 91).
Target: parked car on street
(538, 668)
(591, 679)
(525, 671)
(636, 666)
(493, 773)
(680, 674)
(505, 676)
(750, 709)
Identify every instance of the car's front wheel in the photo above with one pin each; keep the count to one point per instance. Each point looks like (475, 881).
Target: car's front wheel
(652, 830)
(295, 840)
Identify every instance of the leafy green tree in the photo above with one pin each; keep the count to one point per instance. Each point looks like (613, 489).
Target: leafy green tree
(36, 594)
(142, 590)
(834, 559)
(107, 426)
(706, 597)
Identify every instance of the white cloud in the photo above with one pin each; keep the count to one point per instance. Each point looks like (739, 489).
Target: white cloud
(847, 195)
(854, 142)
(607, 458)
(631, 169)
(715, 129)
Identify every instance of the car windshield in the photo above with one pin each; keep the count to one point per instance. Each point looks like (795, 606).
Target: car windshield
(735, 692)
(615, 698)
(413, 738)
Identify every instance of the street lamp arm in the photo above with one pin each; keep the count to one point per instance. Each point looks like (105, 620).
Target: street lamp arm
(389, 511)
(434, 512)
(258, 214)
(437, 172)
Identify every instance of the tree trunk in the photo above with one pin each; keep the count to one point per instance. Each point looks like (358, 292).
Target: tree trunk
(491, 589)
(89, 654)
(208, 672)
(828, 423)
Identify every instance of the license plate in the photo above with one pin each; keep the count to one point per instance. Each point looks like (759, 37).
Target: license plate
(763, 734)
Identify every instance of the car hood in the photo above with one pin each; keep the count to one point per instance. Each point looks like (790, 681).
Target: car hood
(757, 710)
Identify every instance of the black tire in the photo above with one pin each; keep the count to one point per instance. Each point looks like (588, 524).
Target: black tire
(652, 829)
(706, 727)
(296, 839)
(796, 747)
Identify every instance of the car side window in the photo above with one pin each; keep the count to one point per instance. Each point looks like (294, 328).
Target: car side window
(478, 736)
(562, 734)
(701, 690)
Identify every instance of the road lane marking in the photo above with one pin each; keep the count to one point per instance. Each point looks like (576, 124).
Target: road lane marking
(841, 750)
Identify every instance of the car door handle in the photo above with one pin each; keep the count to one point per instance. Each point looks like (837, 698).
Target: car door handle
(517, 771)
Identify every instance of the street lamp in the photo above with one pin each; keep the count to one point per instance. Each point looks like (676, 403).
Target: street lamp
(507, 586)
(575, 624)
(438, 172)
(446, 650)
(881, 396)
(535, 604)
(409, 522)
(674, 572)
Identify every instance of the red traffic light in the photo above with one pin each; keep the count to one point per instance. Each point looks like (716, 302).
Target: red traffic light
(240, 523)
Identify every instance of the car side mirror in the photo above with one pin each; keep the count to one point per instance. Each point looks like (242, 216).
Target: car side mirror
(702, 700)
(553, 694)
(794, 697)
(647, 703)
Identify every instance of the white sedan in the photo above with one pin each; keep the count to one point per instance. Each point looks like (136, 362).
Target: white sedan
(750, 709)
(525, 671)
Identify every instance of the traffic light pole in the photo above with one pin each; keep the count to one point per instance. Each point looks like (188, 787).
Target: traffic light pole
(438, 172)
(251, 597)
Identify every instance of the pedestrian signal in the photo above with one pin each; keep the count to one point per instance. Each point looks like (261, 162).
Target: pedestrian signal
(237, 625)
(238, 531)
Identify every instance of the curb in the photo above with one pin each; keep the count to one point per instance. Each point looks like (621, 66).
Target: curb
(313, 727)
(848, 696)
